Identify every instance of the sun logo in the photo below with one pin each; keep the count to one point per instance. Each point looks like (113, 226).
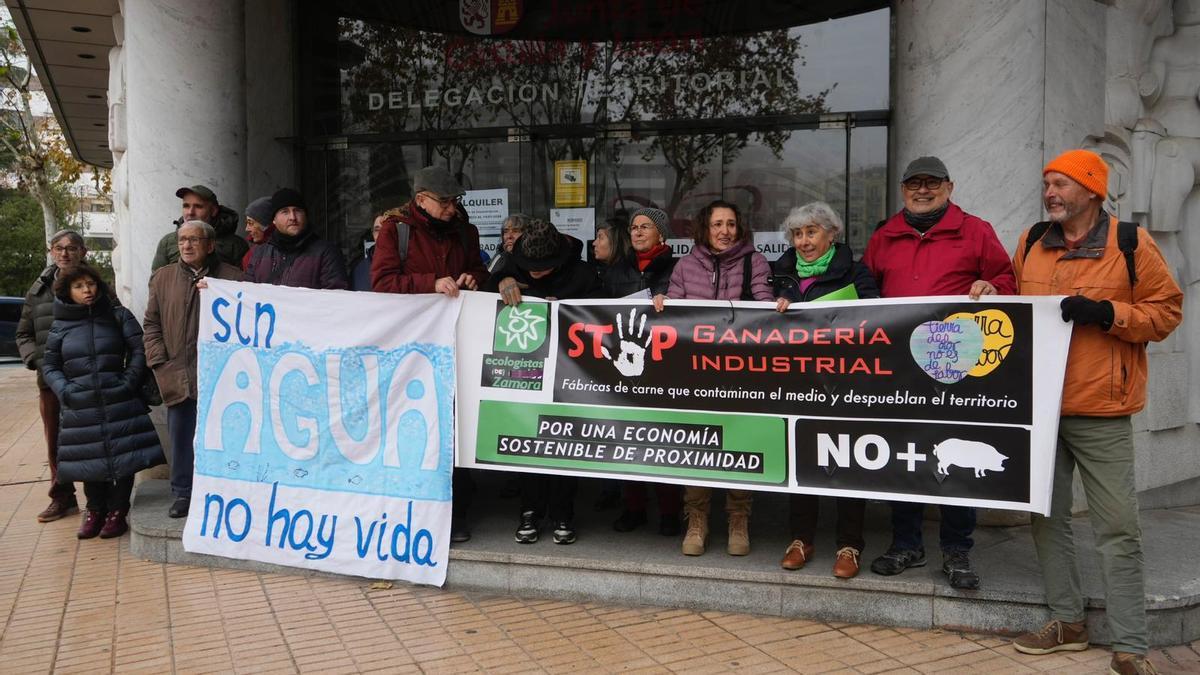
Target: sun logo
(522, 329)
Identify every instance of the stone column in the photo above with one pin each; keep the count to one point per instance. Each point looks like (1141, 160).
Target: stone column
(996, 88)
(270, 163)
(185, 120)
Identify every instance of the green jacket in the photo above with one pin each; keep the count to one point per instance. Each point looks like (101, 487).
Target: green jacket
(230, 247)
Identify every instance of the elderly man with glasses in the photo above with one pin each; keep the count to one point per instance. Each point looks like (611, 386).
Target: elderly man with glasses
(427, 246)
(440, 251)
(933, 247)
(66, 251)
(171, 326)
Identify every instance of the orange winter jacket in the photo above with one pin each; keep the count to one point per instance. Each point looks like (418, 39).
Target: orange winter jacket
(1106, 370)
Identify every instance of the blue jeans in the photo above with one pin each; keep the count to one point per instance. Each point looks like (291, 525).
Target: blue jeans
(958, 522)
(181, 427)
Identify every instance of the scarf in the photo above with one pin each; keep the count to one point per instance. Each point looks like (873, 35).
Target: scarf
(287, 242)
(439, 228)
(644, 259)
(922, 223)
(816, 267)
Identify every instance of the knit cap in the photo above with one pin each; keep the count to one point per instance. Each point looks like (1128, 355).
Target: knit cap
(541, 247)
(1084, 167)
(658, 217)
(260, 210)
(285, 197)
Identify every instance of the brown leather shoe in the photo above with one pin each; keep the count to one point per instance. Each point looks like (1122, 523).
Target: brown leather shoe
(796, 555)
(1124, 663)
(57, 510)
(845, 566)
(1056, 636)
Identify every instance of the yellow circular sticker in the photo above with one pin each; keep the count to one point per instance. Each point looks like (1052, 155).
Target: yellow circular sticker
(997, 338)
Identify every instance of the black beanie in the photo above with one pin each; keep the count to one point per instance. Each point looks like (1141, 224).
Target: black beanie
(285, 197)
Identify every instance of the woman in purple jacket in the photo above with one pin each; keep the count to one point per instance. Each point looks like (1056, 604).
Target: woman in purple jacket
(717, 269)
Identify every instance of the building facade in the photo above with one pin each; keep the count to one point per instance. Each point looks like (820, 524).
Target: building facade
(579, 111)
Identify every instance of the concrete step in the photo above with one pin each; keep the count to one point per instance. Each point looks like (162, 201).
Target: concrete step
(644, 568)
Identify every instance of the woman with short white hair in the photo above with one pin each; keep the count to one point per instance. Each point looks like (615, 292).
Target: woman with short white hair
(818, 268)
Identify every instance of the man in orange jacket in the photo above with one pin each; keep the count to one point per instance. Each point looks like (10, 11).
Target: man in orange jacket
(1117, 307)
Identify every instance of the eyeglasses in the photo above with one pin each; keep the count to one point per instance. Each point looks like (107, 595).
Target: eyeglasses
(642, 228)
(191, 240)
(444, 201)
(67, 249)
(914, 184)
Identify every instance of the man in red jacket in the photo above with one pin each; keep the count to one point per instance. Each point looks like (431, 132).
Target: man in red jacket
(932, 247)
(443, 249)
(442, 256)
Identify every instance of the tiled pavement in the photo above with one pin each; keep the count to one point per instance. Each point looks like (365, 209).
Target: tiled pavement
(70, 606)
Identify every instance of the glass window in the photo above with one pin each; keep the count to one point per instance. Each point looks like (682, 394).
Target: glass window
(672, 119)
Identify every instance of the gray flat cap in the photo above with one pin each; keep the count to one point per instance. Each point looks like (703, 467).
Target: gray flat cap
(438, 181)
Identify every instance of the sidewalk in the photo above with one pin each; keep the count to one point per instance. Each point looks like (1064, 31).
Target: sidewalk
(62, 612)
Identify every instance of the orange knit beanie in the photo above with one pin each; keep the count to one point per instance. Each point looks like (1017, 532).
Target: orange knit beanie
(1084, 167)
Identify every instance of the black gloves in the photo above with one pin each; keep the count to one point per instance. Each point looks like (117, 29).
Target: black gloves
(1085, 311)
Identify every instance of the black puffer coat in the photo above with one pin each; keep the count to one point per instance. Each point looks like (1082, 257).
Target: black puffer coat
(94, 362)
(624, 278)
(37, 315)
(843, 271)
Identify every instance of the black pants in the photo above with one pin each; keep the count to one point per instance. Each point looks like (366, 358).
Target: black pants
(105, 496)
(464, 491)
(552, 496)
(850, 516)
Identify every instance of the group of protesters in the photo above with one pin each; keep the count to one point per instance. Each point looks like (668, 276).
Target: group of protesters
(92, 356)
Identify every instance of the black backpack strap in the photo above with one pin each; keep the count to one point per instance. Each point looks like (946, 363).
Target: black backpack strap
(1035, 233)
(747, 293)
(1127, 241)
(402, 241)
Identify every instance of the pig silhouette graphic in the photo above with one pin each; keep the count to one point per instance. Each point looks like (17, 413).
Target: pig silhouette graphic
(968, 454)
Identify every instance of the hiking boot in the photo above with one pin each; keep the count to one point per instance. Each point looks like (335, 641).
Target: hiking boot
(179, 508)
(564, 533)
(796, 555)
(845, 566)
(57, 510)
(739, 534)
(93, 522)
(668, 526)
(629, 521)
(896, 561)
(1056, 636)
(527, 531)
(1124, 663)
(114, 525)
(957, 566)
(696, 536)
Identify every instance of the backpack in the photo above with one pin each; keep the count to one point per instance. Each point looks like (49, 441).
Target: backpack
(1127, 242)
(402, 233)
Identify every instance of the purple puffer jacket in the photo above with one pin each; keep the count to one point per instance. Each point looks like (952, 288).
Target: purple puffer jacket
(704, 275)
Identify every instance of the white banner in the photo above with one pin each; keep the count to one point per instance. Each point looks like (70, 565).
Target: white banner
(324, 430)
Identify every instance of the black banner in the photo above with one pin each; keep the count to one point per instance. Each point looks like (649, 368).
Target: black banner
(954, 361)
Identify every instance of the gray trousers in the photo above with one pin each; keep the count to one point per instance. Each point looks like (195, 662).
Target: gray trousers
(1102, 449)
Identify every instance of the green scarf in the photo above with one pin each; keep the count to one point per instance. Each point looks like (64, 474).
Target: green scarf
(815, 268)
